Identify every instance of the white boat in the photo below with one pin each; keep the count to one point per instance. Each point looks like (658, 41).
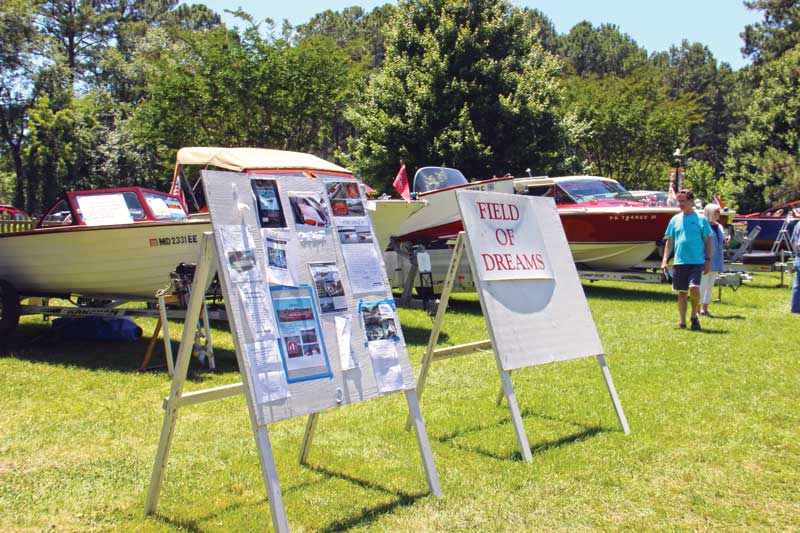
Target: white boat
(606, 227)
(117, 244)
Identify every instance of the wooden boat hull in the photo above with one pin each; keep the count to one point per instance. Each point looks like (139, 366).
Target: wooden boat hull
(128, 262)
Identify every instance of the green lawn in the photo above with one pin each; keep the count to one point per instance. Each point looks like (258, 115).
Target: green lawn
(715, 443)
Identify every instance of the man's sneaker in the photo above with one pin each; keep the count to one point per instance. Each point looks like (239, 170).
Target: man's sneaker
(695, 324)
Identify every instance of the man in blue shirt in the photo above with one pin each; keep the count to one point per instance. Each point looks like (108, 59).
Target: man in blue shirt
(690, 236)
(796, 286)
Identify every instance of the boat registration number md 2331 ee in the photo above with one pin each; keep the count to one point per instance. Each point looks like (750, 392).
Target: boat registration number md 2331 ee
(169, 241)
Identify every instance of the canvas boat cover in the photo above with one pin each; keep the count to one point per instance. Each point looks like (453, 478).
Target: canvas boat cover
(240, 159)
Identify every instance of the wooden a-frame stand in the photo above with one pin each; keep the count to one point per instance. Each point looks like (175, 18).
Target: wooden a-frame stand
(204, 274)
(507, 388)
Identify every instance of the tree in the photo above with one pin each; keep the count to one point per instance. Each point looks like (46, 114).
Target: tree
(692, 71)
(633, 125)
(218, 87)
(17, 41)
(602, 50)
(78, 30)
(354, 29)
(777, 33)
(763, 160)
(543, 29)
(463, 84)
(701, 179)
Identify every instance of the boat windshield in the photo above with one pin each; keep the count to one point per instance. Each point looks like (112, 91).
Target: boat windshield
(433, 178)
(59, 215)
(109, 208)
(586, 190)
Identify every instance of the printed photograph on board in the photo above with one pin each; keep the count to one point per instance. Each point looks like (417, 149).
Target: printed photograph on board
(242, 261)
(278, 246)
(328, 286)
(270, 214)
(348, 208)
(379, 320)
(238, 251)
(345, 198)
(342, 190)
(309, 210)
(302, 344)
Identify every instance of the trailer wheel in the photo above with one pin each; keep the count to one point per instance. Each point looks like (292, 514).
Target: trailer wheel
(9, 308)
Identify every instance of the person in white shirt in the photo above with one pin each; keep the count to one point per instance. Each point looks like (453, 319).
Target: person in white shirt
(718, 240)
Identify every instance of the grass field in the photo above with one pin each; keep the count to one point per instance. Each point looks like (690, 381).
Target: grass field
(715, 443)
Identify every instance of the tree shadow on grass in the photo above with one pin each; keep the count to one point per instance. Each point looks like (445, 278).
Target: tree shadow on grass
(37, 343)
(468, 307)
(636, 294)
(539, 448)
(419, 336)
(369, 515)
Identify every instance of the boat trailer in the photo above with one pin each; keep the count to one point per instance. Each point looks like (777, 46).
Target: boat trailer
(169, 303)
(412, 267)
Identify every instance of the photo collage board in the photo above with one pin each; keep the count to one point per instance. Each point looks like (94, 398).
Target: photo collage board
(306, 291)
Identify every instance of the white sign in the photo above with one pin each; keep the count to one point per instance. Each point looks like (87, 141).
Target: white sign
(531, 319)
(104, 209)
(505, 235)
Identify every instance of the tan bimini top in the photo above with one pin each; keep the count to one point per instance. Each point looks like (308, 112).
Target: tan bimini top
(240, 159)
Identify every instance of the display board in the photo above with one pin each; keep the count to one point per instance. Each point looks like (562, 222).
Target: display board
(533, 300)
(309, 307)
(290, 246)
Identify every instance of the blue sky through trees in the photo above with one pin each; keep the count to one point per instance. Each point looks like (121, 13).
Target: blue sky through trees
(655, 25)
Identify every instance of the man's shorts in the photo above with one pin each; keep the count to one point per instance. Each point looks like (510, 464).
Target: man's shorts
(685, 276)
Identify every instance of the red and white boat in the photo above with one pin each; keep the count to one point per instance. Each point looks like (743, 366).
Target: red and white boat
(606, 227)
(118, 244)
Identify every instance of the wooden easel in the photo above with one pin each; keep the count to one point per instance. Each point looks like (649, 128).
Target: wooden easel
(204, 274)
(507, 388)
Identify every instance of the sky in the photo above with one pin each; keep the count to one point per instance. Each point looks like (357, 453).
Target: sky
(655, 25)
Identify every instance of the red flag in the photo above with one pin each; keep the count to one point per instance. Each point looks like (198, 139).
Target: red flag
(401, 183)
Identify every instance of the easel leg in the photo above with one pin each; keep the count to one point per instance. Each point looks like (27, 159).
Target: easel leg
(202, 279)
(423, 443)
(516, 417)
(270, 472)
(501, 393)
(601, 359)
(433, 340)
(308, 437)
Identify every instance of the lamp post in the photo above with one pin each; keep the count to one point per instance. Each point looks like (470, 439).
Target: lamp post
(678, 174)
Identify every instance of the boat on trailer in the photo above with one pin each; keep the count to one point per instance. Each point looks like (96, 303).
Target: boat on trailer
(770, 223)
(606, 227)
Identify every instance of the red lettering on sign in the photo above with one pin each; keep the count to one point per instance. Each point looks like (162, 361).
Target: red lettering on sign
(510, 262)
(497, 211)
(504, 236)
